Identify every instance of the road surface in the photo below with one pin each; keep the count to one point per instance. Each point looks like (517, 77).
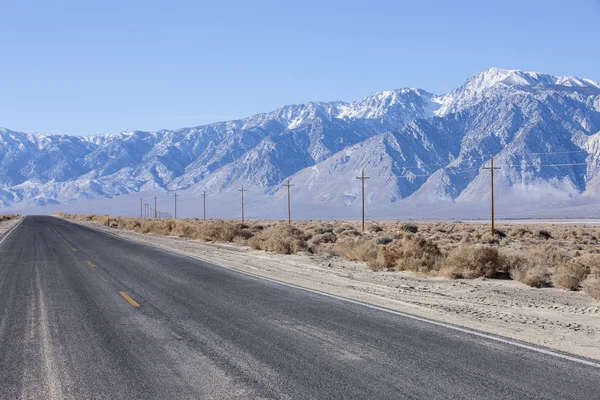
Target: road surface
(85, 314)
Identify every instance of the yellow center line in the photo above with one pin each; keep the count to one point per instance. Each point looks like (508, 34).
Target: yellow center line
(74, 249)
(129, 299)
(91, 264)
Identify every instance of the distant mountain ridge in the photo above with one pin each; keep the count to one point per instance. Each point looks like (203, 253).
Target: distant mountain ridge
(418, 148)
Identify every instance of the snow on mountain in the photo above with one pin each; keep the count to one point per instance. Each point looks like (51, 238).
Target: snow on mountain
(496, 81)
(418, 148)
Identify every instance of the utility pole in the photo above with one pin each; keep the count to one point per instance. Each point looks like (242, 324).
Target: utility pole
(204, 195)
(242, 190)
(492, 168)
(288, 185)
(363, 178)
(141, 207)
(155, 209)
(175, 205)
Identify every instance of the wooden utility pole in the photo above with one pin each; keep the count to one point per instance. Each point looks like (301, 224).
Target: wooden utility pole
(363, 178)
(242, 190)
(175, 195)
(155, 209)
(289, 185)
(492, 168)
(204, 195)
(141, 207)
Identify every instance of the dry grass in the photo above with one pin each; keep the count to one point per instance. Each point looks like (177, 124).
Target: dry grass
(566, 256)
(6, 217)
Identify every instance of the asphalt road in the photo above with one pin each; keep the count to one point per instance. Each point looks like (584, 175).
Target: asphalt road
(84, 314)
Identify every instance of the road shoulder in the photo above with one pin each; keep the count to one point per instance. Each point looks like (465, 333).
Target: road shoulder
(7, 225)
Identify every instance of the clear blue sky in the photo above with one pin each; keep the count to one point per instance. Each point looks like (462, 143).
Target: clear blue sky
(80, 68)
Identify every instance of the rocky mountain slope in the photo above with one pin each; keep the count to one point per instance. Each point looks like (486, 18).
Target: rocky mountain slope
(543, 131)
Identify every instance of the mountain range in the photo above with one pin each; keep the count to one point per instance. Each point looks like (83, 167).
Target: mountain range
(543, 132)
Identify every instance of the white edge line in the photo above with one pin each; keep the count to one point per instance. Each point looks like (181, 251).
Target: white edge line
(11, 230)
(374, 307)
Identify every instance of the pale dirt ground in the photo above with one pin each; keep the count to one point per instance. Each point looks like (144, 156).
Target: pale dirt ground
(7, 225)
(550, 317)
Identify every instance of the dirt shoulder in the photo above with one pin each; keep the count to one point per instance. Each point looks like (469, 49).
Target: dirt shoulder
(550, 317)
(7, 225)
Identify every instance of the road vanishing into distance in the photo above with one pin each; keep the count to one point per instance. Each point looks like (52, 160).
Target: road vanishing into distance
(87, 315)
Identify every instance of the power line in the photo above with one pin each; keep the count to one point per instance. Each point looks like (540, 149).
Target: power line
(289, 185)
(242, 190)
(492, 168)
(204, 195)
(544, 165)
(555, 152)
(448, 170)
(362, 179)
(392, 176)
(463, 160)
(175, 196)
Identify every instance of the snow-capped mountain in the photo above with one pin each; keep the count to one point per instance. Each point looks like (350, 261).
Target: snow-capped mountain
(542, 130)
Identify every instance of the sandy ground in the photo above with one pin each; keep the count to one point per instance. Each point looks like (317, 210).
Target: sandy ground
(554, 318)
(7, 225)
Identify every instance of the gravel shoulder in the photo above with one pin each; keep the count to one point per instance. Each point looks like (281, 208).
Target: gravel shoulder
(550, 317)
(7, 225)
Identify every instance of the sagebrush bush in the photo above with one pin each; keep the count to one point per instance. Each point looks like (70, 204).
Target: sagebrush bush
(537, 266)
(384, 240)
(374, 228)
(533, 275)
(220, 230)
(357, 249)
(410, 228)
(473, 262)
(327, 237)
(282, 239)
(591, 286)
(542, 234)
(512, 260)
(411, 253)
(571, 274)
